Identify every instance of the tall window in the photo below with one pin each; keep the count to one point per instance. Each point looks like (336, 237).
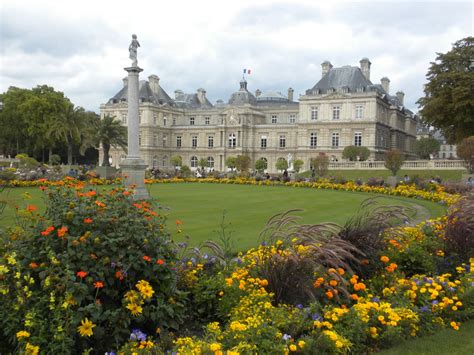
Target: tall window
(359, 111)
(194, 141)
(191, 121)
(164, 161)
(210, 142)
(194, 162)
(174, 121)
(263, 142)
(314, 113)
(165, 119)
(282, 141)
(139, 139)
(155, 140)
(336, 112)
(178, 141)
(207, 120)
(139, 118)
(274, 118)
(358, 139)
(335, 140)
(124, 118)
(292, 118)
(313, 140)
(155, 161)
(165, 141)
(232, 140)
(210, 162)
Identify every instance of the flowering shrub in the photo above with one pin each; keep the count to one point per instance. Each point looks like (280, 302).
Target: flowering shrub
(81, 276)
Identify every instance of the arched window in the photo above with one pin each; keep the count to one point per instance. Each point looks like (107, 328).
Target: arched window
(210, 162)
(232, 140)
(154, 163)
(164, 161)
(194, 162)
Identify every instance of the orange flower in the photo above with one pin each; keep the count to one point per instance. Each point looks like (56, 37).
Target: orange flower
(329, 294)
(31, 208)
(341, 271)
(47, 231)
(391, 267)
(119, 275)
(364, 261)
(33, 265)
(137, 205)
(91, 193)
(354, 297)
(81, 274)
(359, 286)
(62, 231)
(147, 258)
(98, 284)
(126, 193)
(384, 259)
(100, 204)
(87, 220)
(178, 222)
(160, 261)
(333, 283)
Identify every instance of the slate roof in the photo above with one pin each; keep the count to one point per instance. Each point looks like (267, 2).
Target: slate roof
(145, 94)
(243, 96)
(338, 78)
(183, 100)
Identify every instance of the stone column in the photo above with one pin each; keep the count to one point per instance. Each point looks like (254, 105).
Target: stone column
(133, 167)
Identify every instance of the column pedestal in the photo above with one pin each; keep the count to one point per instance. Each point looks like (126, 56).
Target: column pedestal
(133, 177)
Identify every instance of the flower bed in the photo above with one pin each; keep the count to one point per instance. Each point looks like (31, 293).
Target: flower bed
(99, 271)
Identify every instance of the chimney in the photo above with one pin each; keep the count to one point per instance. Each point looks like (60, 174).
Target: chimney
(178, 93)
(201, 95)
(365, 67)
(154, 82)
(326, 66)
(125, 81)
(258, 93)
(290, 94)
(385, 84)
(400, 96)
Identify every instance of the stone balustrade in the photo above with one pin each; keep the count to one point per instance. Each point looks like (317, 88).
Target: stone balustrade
(407, 165)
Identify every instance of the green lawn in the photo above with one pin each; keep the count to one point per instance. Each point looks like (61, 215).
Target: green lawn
(201, 206)
(445, 175)
(447, 341)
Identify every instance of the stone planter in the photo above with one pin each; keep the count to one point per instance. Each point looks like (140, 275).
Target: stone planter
(106, 172)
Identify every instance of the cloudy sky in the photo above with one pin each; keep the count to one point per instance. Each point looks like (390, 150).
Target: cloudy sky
(81, 47)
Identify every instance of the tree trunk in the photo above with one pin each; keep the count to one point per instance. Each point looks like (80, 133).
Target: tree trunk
(42, 155)
(106, 161)
(69, 154)
(50, 154)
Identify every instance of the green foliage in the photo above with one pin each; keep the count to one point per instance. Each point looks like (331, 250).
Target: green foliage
(87, 237)
(297, 165)
(110, 133)
(185, 171)
(424, 147)
(55, 159)
(354, 153)
(320, 164)
(202, 163)
(27, 162)
(394, 160)
(448, 103)
(465, 151)
(231, 162)
(281, 164)
(176, 160)
(242, 163)
(261, 165)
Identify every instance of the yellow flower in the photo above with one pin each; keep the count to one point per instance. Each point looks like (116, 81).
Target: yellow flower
(31, 349)
(339, 344)
(293, 347)
(85, 329)
(134, 308)
(301, 344)
(215, 346)
(22, 334)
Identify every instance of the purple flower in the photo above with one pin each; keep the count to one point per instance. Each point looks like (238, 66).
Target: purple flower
(299, 306)
(451, 289)
(375, 299)
(434, 302)
(286, 337)
(137, 334)
(424, 309)
(113, 264)
(317, 317)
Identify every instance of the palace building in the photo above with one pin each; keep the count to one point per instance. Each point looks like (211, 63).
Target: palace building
(343, 108)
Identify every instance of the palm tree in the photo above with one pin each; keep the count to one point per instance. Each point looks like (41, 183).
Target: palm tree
(67, 128)
(110, 133)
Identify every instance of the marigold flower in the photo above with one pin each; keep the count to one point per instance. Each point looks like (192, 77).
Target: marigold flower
(81, 274)
(329, 294)
(31, 349)
(160, 261)
(98, 284)
(147, 258)
(62, 231)
(31, 208)
(88, 220)
(33, 265)
(119, 275)
(384, 259)
(100, 204)
(47, 231)
(333, 283)
(341, 271)
(178, 222)
(85, 329)
(22, 334)
(301, 344)
(354, 297)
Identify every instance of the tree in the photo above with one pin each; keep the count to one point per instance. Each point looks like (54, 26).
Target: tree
(260, 165)
(242, 163)
(320, 164)
(354, 153)
(202, 163)
(297, 165)
(449, 95)
(176, 161)
(465, 151)
(394, 160)
(281, 164)
(230, 162)
(111, 134)
(424, 147)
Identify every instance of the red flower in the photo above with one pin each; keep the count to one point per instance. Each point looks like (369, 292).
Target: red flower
(91, 193)
(62, 231)
(47, 231)
(178, 222)
(87, 220)
(160, 261)
(42, 188)
(31, 208)
(81, 274)
(119, 275)
(98, 284)
(147, 258)
(33, 265)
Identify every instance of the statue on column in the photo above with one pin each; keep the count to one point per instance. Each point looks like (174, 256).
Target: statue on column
(133, 50)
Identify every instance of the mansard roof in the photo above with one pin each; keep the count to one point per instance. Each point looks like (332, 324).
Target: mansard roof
(183, 100)
(145, 94)
(338, 78)
(243, 96)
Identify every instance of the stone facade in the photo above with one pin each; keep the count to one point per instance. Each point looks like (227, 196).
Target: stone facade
(344, 108)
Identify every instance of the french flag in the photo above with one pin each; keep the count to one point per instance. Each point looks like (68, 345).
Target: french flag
(247, 71)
